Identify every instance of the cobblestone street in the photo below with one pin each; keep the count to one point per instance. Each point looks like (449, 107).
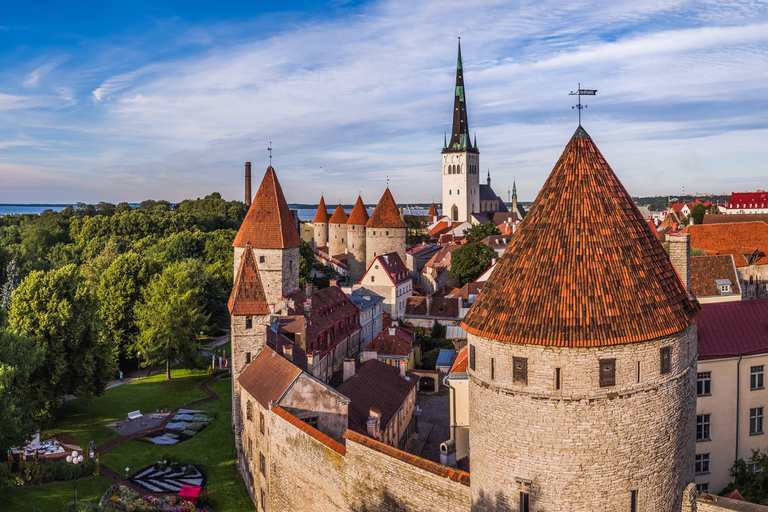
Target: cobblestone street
(435, 412)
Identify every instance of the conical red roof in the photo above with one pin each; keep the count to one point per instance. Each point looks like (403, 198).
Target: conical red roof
(322, 212)
(386, 213)
(268, 223)
(432, 210)
(339, 216)
(573, 278)
(248, 297)
(358, 215)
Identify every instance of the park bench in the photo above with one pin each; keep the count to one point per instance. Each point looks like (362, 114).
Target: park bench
(134, 415)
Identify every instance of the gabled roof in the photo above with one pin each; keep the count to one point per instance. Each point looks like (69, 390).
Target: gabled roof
(386, 214)
(281, 374)
(432, 210)
(393, 265)
(567, 279)
(322, 212)
(329, 307)
(416, 306)
(727, 329)
(705, 270)
(358, 215)
(248, 297)
(736, 217)
(268, 223)
(387, 344)
(339, 216)
(739, 240)
(445, 307)
(460, 364)
(748, 200)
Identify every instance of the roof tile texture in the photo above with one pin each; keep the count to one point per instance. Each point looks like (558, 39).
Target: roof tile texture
(386, 214)
(339, 216)
(727, 329)
(248, 297)
(358, 215)
(738, 239)
(322, 212)
(281, 374)
(736, 217)
(570, 279)
(432, 210)
(268, 223)
(706, 269)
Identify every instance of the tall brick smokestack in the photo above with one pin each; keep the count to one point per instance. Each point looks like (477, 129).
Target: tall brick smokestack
(248, 195)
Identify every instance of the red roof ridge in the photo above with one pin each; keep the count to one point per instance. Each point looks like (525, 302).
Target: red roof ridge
(567, 280)
(358, 215)
(322, 212)
(339, 216)
(386, 214)
(268, 223)
(456, 475)
(313, 432)
(248, 297)
(432, 210)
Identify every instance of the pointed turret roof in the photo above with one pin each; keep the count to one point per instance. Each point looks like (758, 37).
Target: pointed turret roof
(268, 223)
(460, 140)
(386, 214)
(358, 215)
(322, 212)
(432, 210)
(248, 297)
(339, 216)
(514, 189)
(570, 279)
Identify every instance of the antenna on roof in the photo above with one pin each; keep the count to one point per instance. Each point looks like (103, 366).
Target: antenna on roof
(270, 153)
(579, 93)
(387, 181)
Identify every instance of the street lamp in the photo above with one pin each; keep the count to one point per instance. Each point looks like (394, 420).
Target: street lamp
(75, 458)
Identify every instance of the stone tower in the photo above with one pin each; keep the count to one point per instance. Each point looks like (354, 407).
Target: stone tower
(337, 232)
(356, 241)
(321, 224)
(269, 228)
(461, 160)
(582, 356)
(385, 230)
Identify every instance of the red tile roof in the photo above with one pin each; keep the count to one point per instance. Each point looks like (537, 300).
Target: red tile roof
(706, 269)
(416, 306)
(569, 279)
(432, 210)
(281, 374)
(386, 344)
(739, 240)
(460, 364)
(322, 212)
(652, 225)
(248, 297)
(427, 465)
(311, 431)
(358, 215)
(386, 214)
(268, 223)
(445, 307)
(727, 329)
(393, 265)
(339, 216)
(330, 313)
(748, 200)
(736, 217)
(735, 495)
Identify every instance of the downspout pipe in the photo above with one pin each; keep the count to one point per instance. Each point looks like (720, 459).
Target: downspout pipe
(738, 392)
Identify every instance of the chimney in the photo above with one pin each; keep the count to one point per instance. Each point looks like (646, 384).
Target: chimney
(308, 288)
(307, 308)
(248, 184)
(333, 282)
(680, 256)
(448, 453)
(392, 331)
(349, 369)
(288, 351)
(402, 368)
(373, 422)
(369, 354)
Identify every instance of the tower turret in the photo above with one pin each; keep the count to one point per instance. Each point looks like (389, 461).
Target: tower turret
(582, 356)
(385, 230)
(337, 232)
(321, 224)
(356, 241)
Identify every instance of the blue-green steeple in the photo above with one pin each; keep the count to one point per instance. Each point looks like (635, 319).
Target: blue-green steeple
(460, 140)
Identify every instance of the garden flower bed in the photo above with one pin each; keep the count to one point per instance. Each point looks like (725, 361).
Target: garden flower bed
(185, 425)
(120, 497)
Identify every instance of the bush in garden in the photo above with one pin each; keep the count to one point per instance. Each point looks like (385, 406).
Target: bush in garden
(190, 433)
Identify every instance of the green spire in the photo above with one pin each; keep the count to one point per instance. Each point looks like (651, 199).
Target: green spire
(475, 144)
(445, 140)
(458, 61)
(514, 189)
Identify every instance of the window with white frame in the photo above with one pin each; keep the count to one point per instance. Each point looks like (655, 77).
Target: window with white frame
(702, 463)
(756, 377)
(702, 487)
(702, 427)
(704, 383)
(755, 421)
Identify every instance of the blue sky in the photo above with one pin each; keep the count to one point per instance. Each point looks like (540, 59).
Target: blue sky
(124, 101)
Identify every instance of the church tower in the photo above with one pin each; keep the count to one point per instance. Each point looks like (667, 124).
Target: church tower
(461, 160)
(582, 356)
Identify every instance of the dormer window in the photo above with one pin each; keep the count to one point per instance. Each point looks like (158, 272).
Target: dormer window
(724, 286)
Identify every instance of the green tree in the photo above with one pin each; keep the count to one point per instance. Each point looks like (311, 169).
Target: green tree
(713, 209)
(11, 283)
(20, 357)
(753, 486)
(59, 311)
(438, 330)
(479, 232)
(471, 260)
(170, 316)
(306, 261)
(698, 212)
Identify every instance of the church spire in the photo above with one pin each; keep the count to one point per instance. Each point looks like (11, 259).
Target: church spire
(460, 138)
(514, 189)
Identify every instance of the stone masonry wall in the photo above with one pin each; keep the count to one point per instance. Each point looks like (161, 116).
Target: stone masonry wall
(759, 287)
(321, 234)
(380, 241)
(680, 256)
(308, 398)
(244, 341)
(583, 447)
(337, 238)
(279, 270)
(356, 252)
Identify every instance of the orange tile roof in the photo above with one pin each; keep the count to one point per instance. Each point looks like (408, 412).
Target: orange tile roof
(736, 217)
(386, 214)
(268, 223)
(652, 225)
(339, 216)
(358, 215)
(461, 362)
(281, 374)
(706, 269)
(569, 279)
(248, 297)
(432, 210)
(738, 239)
(322, 212)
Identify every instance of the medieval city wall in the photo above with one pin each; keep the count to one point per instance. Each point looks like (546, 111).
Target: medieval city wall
(380, 241)
(583, 447)
(308, 398)
(356, 251)
(321, 234)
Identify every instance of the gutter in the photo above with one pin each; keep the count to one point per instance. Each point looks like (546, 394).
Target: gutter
(738, 389)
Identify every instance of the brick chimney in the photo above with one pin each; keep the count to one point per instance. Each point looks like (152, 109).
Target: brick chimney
(333, 282)
(288, 351)
(369, 354)
(248, 195)
(680, 256)
(349, 369)
(373, 422)
(402, 368)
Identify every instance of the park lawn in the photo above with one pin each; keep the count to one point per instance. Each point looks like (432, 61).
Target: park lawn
(213, 449)
(52, 497)
(87, 422)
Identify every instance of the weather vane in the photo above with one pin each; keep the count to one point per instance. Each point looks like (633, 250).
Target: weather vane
(270, 153)
(582, 92)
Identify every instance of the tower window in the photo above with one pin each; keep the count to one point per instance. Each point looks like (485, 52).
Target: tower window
(703, 383)
(247, 358)
(607, 372)
(248, 322)
(633, 501)
(262, 464)
(472, 357)
(524, 502)
(261, 422)
(666, 364)
(458, 192)
(557, 378)
(261, 259)
(493, 369)
(520, 370)
(249, 410)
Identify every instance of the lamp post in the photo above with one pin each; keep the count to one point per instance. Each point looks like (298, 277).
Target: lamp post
(75, 459)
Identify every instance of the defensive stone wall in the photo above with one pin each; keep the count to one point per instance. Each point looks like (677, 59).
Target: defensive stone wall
(278, 269)
(380, 241)
(337, 238)
(582, 446)
(356, 252)
(321, 234)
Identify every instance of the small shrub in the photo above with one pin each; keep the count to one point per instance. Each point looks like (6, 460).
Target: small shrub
(169, 457)
(190, 433)
(197, 426)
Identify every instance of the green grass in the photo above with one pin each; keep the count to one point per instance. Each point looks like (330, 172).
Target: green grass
(52, 497)
(213, 449)
(86, 422)
(226, 346)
